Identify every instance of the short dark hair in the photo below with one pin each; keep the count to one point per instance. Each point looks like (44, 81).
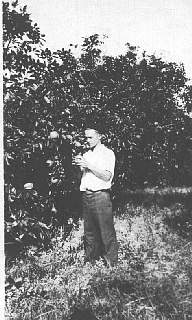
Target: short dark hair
(92, 128)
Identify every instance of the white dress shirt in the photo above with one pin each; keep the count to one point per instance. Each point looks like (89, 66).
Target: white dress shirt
(102, 158)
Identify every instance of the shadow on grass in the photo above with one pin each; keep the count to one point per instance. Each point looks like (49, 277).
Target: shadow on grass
(178, 200)
(180, 221)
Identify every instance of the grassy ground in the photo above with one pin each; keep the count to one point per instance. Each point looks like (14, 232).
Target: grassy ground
(152, 281)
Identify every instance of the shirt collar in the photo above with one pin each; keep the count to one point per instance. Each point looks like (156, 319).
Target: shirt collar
(97, 147)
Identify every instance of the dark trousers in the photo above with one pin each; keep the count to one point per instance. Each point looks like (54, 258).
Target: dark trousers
(99, 231)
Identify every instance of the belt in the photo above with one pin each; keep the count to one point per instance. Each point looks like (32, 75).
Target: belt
(88, 191)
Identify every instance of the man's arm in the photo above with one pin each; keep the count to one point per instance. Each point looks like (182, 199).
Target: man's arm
(101, 174)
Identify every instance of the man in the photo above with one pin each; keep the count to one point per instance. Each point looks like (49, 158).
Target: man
(98, 169)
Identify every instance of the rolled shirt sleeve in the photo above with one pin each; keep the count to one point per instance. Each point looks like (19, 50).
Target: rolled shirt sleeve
(109, 161)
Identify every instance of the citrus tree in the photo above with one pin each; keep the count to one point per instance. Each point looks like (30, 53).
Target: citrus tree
(140, 102)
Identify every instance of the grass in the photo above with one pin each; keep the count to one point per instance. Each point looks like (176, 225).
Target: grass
(152, 281)
(163, 197)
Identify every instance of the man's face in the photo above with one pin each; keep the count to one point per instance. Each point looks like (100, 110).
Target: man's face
(92, 137)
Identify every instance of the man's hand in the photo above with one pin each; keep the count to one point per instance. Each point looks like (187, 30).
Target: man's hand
(84, 164)
(81, 162)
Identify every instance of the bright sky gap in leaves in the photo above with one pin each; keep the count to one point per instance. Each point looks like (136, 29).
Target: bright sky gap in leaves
(161, 27)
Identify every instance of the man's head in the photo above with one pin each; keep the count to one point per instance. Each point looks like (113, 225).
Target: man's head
(93, 137)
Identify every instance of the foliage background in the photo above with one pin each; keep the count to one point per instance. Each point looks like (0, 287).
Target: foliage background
(141, 103)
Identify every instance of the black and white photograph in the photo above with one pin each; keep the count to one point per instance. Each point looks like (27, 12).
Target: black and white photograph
(97, 160)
